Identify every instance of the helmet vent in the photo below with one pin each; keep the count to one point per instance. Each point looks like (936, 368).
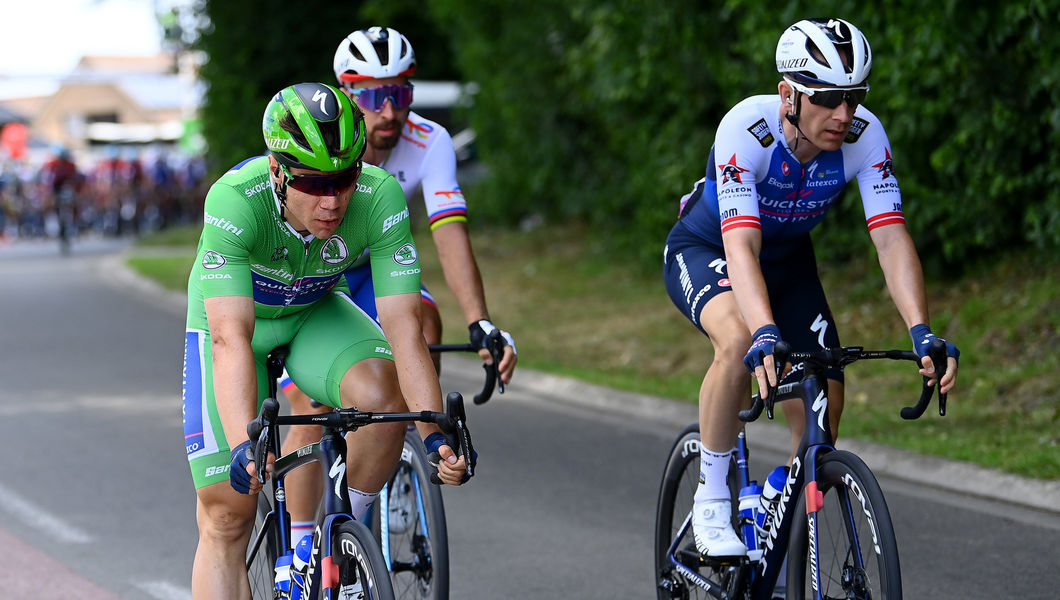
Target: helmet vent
(356, 53)
(288, 124)
(383, 51)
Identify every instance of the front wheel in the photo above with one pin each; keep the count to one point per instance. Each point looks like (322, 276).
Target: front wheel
(676, 494)
(410, 526)
(857, 551)
(362, 572)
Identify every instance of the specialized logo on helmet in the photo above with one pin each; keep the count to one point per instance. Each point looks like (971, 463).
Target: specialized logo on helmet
(406, 255)
(791, 64)
(839, 29)
(334, 251)
(318, 100)
(885, 167)
(212, 260)
(276, 143)
(730, 171)
(320, 96)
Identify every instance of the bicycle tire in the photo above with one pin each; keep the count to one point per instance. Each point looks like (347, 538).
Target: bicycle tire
(360, 564)
(261, 564)
(418, 541)
(841, 476)
(676, 494)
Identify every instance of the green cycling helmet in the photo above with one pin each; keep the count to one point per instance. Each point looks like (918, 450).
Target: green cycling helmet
(314, 126)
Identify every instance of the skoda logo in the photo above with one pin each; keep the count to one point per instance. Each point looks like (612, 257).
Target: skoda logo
(334, 251)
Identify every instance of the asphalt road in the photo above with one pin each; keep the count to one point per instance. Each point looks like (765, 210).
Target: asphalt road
(96, 500)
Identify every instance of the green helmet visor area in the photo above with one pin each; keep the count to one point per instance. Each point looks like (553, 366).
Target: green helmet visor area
(314, 126)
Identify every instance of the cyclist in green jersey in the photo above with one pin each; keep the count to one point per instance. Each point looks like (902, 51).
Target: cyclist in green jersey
(280, 231)
(373, 67)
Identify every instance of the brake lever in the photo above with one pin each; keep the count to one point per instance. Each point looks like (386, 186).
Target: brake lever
(937, 353)
(495, 346)
(262, 428)
(454, 410)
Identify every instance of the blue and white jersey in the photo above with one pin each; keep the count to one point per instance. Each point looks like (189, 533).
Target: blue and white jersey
(754, 180)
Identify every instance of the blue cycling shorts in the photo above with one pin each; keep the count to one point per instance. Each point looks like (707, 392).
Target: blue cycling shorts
(695, 272)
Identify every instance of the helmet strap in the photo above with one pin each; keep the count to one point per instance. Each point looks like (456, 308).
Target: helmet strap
(793, 118)
(280, 189)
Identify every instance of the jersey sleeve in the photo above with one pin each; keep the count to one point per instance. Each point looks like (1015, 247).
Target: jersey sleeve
(441, 192)
(880, 195)
(735, 171)
(395, 261)
(222, 265)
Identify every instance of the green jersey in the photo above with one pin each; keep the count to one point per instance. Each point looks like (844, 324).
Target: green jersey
(247, 249)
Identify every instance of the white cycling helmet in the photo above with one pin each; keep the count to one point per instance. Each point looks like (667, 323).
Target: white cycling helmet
(374, 53)
(812, 51)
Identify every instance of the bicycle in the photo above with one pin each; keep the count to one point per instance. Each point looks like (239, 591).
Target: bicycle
(346, 561)
(832, 519)
(408, 518)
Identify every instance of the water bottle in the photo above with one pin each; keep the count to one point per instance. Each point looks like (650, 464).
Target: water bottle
(770, 499)
(750, 502)
(299, 563)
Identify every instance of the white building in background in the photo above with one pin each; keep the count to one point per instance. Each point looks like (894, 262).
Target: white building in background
(112, 100)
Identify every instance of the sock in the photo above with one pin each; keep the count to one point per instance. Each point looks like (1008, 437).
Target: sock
(299, 529)
(360, 502)
(713, 468)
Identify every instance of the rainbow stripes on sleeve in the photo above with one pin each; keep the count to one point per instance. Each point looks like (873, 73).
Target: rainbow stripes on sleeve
(453, 209)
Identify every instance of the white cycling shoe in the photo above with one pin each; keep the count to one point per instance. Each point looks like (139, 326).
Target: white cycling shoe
(712, 526)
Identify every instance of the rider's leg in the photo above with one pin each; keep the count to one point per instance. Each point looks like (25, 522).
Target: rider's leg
(727, 385)
(372, 385)
(725, 390)
(225, 518)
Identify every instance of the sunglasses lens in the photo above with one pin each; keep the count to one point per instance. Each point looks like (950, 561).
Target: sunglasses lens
(833, 98)
(325, 185)
(374, 99)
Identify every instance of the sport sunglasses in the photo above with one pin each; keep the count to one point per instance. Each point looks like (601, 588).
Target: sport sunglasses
(374, 98)
(323, 185)
(832, 97)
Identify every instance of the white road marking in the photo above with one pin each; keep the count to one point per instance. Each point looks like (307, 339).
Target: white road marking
(164, 590)
(41, 521)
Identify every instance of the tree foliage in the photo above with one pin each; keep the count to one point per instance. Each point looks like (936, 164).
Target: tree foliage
(256, 49)
(605, 110)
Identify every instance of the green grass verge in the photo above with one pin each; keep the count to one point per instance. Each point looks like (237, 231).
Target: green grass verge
(576, 310)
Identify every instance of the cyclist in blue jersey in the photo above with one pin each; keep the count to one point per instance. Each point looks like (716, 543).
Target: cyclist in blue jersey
(739, 262)
(280, 232)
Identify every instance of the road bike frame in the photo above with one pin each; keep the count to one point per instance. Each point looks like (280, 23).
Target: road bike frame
(816, 441)
(330, 452)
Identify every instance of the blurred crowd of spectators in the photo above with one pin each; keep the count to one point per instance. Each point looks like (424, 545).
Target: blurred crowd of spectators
(112, 192)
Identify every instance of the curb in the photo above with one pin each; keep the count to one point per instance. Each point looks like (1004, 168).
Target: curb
(955, 477)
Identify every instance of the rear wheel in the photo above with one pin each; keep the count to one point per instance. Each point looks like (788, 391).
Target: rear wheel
(361, 569)
(410, 525)
(857, 550)
(261, 561)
